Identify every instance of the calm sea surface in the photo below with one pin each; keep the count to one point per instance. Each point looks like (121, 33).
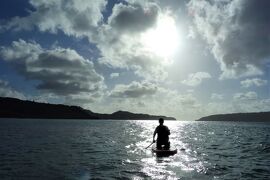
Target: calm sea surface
(80, 149)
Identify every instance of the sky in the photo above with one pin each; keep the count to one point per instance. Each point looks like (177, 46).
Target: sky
(180, 58)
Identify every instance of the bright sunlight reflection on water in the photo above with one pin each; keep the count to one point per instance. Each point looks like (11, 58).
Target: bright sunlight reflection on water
(165, 167)
(113, 149)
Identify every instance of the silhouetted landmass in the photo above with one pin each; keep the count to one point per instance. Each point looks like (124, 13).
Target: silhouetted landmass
(129, 115)
(239, 117)
(16, 108)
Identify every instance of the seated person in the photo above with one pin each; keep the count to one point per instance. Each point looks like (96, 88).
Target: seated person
(163, 135)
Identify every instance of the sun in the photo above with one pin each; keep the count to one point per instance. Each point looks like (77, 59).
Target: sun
(163, 39)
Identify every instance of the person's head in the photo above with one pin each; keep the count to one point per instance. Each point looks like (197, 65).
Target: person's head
(161, 121)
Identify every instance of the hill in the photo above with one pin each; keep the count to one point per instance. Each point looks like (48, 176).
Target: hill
(16, 108)
(239, 117)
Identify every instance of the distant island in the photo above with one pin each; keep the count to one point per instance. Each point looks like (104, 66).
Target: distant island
(239, 117)
(16, 108)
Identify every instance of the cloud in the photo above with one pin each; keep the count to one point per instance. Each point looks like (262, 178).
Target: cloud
(120, 41)
(133, 18)
(73, 17)
(188, 101)
(253, 106)
(117, 39)
(84, 98)
(59, 71)
(237, 32)
(245, 96)
(145, 97)
(196, 79)
(185, 106)
(133, 90)
(253, 82)
(7, 91)
(216, 96)
(114, 75)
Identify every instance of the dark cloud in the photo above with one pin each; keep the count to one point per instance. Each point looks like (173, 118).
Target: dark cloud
(134, 90)
(133, 18)
(59, 71)
(238, 32)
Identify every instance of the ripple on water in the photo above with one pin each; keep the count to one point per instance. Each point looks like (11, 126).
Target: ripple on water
(53, 149)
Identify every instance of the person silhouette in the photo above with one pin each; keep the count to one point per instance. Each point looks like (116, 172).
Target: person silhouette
(163, 135)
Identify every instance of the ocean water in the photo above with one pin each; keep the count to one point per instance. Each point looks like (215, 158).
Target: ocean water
(81, 149)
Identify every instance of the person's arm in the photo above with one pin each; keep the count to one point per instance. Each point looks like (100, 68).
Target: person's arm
(155, 132)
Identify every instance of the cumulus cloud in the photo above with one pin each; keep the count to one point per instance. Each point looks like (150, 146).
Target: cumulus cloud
(7, 91)
(245, 96)
(237, 32)
(196, 79)
(73, 17)
(253, 82)
(120, 41)
(134, 90)
(118, 38)
(216, 96)
(133, 18)
(59, 71)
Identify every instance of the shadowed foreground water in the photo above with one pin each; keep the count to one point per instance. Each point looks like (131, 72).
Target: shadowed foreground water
(79, 149)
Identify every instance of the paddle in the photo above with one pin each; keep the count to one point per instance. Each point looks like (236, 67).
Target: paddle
(149, 145)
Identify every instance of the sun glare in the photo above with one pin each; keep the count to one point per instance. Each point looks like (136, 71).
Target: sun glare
(163, 39)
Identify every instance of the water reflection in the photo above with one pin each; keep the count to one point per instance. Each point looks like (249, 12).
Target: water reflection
(172, 167)
(59, 149)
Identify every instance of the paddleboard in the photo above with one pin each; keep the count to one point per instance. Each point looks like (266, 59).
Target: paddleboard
(163, 152)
